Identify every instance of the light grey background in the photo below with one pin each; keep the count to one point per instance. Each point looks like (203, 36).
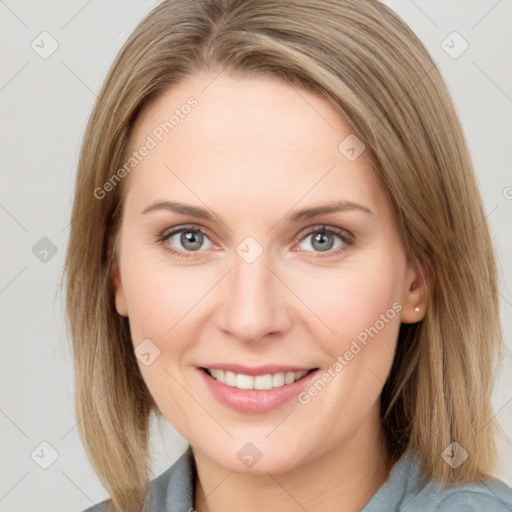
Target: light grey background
(45, 104)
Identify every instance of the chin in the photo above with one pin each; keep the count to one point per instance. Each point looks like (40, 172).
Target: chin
(256, 458)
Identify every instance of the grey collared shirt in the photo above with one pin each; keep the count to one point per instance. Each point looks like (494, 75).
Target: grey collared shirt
(172, 491)
(406, 490)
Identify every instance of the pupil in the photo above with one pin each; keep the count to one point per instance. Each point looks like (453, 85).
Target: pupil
(321, 239)
(195, 239)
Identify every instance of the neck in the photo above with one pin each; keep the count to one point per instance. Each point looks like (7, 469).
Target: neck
(344, 478)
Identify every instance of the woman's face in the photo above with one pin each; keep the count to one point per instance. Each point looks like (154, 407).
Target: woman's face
(249, 279)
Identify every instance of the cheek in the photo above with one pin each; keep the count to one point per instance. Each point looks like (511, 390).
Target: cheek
(160, 296)
(359, 308)
(355, 298)
(161, 301)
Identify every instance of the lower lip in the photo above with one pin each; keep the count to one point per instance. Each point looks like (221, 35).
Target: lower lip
(252, 400)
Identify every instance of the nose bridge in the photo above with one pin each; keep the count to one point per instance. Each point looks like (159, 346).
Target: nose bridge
(253, 305)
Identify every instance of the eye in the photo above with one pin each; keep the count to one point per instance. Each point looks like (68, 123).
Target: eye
(322, 239)
(185, 239)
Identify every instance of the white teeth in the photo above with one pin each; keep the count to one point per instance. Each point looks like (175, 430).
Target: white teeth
(244, 381)
(289, 378)
(229, 379)
(277, 380)
(258, 382)
(263, 381)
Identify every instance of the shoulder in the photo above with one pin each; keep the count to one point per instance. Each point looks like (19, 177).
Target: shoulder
(100, 507)
(171, 490)
(408, 490)
(490, 496)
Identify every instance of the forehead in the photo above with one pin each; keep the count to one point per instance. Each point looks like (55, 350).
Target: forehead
(254, 135)
(230, 110)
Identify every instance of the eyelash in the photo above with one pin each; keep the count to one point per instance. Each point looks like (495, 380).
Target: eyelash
(346, 237)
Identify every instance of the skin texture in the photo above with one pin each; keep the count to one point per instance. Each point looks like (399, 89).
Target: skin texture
(253, 151)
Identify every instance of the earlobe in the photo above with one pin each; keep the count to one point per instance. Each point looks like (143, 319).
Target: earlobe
(416, 294)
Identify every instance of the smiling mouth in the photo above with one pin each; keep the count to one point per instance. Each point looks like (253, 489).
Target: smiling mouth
(256, 382)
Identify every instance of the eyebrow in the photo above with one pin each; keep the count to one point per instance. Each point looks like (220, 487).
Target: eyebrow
(305, 213)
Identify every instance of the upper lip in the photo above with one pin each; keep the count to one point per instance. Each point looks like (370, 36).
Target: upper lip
(257, 370)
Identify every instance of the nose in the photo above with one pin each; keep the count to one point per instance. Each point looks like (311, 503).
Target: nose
(254, 302)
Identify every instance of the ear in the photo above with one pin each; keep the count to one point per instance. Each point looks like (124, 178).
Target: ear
(117, 285)
(416, 293)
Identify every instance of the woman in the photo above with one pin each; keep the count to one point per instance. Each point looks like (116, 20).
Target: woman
(273, 247)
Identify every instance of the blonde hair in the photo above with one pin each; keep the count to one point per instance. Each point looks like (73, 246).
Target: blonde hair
(363, 58)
